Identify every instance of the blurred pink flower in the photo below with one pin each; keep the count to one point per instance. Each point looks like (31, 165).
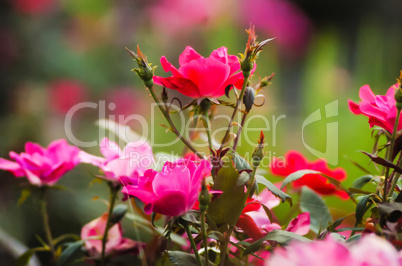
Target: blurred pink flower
(115, 244)
(295, 161)
(121, 166)
(256, 224)
(124, 101)
(370, 250)
(380, 109)
(42, 166)
(33, 7)
(172, 17)
(174, 190)
(200, 77)
(64, 94)
(279, 18)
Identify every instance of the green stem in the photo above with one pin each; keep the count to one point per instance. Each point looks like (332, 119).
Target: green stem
(204, 237)
(224, 246)
(243, 90)
(45, 217)
(395, 177)
(208, 128)
(113, 195)
(390, 153)
(193, 246)
(166, 114)
(243, 121)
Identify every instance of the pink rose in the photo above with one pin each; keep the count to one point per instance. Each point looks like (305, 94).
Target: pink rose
(115, 244)
(121, 166)
(370, 250)
(202, 77)
(174, 190)
(380, 109)
(64, 94)
(42, 166)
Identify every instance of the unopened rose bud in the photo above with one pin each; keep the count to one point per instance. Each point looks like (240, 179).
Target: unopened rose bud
(204, 198)
(258, 153)
(144, 70)
(248, 98)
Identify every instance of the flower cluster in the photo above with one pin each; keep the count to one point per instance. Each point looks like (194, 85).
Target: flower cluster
(218, 203)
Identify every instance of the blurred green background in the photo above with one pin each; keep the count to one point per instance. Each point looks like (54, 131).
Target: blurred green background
(55, 54)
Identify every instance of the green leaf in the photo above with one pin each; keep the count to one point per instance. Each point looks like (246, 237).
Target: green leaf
(297, 175)
(226, 209)
(361, 207)
(173, 236)
(320, 216)
(383, 162)
(69, 252)
(25, 193)
(335, 224)
(118, 213)
(353, 238)
(24, 258)
(276, 191)
(280, 236)
(180, 258)
(240, 163)
(361, 181)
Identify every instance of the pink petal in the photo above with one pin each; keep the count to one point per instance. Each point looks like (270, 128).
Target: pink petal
(109, 149)
(366, 94)
(208, 74)
(220, 54)
(172, 203)
(188, 55)
(91, 159)
(354, 107)
(183, 85)
(11, 166)
(300, 225)
(32, 148)
(177, 179)
(168, 67)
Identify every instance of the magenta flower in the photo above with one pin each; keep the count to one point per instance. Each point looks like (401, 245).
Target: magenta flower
(370, 250)
(200, 77)
(115, 244)
(380, 109)
(121, 166)
(174, 190)
(42, 166)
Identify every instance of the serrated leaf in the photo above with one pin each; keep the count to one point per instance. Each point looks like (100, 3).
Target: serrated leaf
(297, 175)
(25, 193)
(226, 209)
(311, 202)
(240, 163)
(280, 236)
(361, 181)
(24, 258)
(118, 213)
(271, 187)
(244, 177)
(361, 208)
(69, 252)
